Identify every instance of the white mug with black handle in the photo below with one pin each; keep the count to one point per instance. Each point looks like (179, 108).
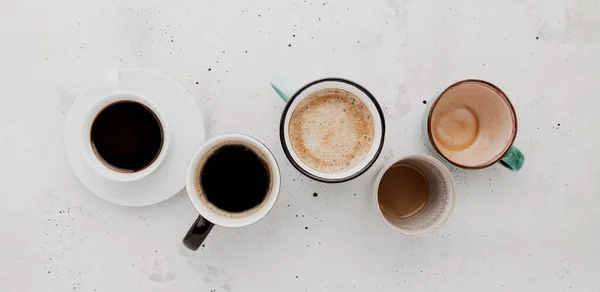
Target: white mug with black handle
(233, 181)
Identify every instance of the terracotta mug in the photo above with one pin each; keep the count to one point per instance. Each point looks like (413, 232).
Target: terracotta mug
(473, 125)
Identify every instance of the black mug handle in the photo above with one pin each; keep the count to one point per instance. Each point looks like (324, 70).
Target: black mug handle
(197, 233)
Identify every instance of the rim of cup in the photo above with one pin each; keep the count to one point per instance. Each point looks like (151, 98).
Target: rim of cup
(440, 222)
(219, 219)
(92, 157)
(513, 113)
(378, 139)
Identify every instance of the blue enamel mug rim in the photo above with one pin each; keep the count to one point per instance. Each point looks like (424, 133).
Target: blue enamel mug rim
(509, 145)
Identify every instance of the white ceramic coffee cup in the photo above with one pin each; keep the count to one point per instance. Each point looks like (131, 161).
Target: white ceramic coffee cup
(210, 215)
(293, 97)
(90, 155)
(442, 194)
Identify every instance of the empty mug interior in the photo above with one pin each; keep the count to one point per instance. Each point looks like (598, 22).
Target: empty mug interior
(439, 203)
(371, 105)
(495, 119)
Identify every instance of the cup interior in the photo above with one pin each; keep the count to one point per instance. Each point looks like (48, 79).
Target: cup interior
(109, 146)
(371, 104)
(472, 124)
(439, 203)
(208, 210)
(98, 162)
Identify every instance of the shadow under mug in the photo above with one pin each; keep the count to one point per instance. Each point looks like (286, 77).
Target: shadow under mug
(294, 97)
(211, 215)
(486, 106)
(90, 154)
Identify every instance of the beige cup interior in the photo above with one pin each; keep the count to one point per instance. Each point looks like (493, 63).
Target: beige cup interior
(439, 204)
(494, 117)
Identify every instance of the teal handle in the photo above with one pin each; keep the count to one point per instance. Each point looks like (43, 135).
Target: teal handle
(513, 159)
(282, 86)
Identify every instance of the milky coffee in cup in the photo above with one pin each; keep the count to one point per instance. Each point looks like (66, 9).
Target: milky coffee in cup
(331, 130)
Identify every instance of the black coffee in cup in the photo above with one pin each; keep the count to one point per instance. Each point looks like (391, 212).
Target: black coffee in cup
(233, 181)
(235, 178)
(126, 136)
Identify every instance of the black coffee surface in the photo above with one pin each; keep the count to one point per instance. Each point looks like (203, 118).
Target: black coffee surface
(127, 136)
(235, 178)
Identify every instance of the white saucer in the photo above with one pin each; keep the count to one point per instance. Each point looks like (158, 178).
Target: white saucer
(186, 126)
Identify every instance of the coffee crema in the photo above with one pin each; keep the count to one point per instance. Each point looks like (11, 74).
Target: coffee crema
(331, 130)
(234, 179)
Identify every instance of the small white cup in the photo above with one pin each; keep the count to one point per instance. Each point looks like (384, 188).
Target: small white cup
(88, 150)
(209, 215)
(442, 194)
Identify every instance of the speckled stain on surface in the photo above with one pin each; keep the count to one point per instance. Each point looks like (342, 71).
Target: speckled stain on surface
(536, 228)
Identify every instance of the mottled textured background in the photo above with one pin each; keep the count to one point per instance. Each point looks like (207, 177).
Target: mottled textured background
(535, 230)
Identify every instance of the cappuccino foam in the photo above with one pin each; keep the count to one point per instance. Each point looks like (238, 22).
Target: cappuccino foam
(331, 130)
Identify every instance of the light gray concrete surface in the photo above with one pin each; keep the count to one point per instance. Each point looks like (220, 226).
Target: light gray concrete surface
(535, 230)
